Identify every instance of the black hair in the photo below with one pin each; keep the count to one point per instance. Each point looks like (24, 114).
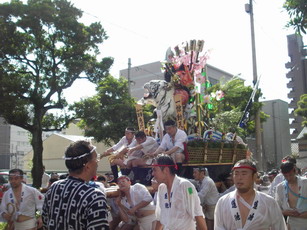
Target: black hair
(75, 149)
(13, 171)
(52, 180)
(140, 134)
(63, 176)
(170, 123)
(101, 178)
(287, 166)
(167, 161)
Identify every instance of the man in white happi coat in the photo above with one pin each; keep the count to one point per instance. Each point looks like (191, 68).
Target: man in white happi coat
(135, 205)
(280, 177)
(45, 178)
(245, 208)
(20, 203)
(291, 195)
(207, 193)
(139, 153)
(173, 143)
(178, 205)
(121, 147)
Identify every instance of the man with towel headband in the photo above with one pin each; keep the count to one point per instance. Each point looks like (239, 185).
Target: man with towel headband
(20, 202)
(178, 205)
(72, 203)
(245, 208)
(121, 147)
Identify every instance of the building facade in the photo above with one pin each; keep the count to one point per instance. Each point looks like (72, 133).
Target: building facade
(142, 74)
(298, 79)
(14, 144)
(276, 141)
(55, 146)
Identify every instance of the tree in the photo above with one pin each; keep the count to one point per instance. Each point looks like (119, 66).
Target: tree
(226, 113)
(43, 50)
(106, 115)
(297, 11)
(302, 109)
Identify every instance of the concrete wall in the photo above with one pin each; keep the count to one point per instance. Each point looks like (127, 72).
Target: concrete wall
(276, 131)
(5, 137)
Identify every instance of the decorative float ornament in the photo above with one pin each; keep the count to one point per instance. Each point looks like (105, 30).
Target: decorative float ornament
(185, 77)
(213, 95)
(219, 95)
(186, 62)
(176, 79)
(200, 78)
(185, 71)
(183, 94)
(208, 84)
(207, 99)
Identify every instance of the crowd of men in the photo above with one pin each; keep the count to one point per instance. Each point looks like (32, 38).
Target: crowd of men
(173, 202)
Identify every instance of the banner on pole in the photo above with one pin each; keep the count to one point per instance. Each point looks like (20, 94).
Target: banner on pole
(140, 117)
(179, 112)
(246, 114)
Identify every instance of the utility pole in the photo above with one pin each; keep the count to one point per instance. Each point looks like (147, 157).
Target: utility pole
(129, 69)
(258, 155)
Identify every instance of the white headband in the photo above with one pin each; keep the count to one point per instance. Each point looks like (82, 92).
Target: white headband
(81, 156)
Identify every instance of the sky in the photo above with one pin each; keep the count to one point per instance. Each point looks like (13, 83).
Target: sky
(143, 30)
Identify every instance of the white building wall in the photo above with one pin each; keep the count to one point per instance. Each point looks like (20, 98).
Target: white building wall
(19, 146)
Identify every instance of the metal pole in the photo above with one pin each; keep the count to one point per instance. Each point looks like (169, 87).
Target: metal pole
(274, 130)
(258, 156)
(129, 69)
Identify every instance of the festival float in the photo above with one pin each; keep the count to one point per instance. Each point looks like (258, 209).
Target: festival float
(183, 96)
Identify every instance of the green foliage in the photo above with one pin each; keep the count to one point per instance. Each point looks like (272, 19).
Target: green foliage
(226, 113)
(106, 115)
(196, 143)
(297, 11)
(3, 225)
(43, 50)
(302, 109)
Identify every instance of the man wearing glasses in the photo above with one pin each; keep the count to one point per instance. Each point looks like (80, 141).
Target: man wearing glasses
(72, 203)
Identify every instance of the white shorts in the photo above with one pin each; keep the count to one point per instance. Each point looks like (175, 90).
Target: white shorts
(147, 222)
(24, 225)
